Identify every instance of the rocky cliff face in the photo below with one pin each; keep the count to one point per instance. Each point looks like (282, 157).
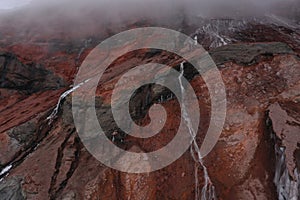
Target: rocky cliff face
(256, 157)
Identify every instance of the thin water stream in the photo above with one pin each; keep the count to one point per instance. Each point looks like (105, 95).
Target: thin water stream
(208, 190)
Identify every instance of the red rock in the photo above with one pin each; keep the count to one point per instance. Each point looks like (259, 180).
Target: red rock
(240, 166)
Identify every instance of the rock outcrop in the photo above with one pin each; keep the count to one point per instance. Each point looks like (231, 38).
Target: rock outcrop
(11, 189)
(27, 79)
(45, 159)
(284, 117)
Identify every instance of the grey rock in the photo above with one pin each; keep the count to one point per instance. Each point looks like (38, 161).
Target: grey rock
(29, 78)
(24, 133)
(10, 189)
(248, 54)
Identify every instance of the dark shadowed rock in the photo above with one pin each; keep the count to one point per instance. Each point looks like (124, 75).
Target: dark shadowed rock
(26, 78)
(10, 189)
(285, 129)
(16, 140)
(285, 119)
(247, 54)
(24, 133)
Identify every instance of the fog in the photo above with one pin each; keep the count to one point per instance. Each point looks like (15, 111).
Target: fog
(89, 15)
(12, 4)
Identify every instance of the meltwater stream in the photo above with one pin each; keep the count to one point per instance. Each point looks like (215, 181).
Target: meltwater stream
(5, 171)
(287, 186)
(208, 190)
(61, 98)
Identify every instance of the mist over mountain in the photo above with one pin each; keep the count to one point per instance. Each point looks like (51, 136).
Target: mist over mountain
(255, 47)
(96, 13)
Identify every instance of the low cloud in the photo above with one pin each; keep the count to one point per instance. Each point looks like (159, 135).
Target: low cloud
(90, 15)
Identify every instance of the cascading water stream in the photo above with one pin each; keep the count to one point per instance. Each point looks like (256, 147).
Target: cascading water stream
(287, 187)
(52, 116)
(208, 190)
(5, 171)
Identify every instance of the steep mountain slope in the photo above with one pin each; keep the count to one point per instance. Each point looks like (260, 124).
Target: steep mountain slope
(256, 157)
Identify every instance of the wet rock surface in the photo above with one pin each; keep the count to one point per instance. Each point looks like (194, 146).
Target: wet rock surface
(260, 67)
(284, 118)
(71, 172)
(285, 123)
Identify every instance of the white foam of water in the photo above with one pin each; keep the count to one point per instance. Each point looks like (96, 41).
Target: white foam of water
(61, 98)
(208, 190)
(287, 187)
(5, 170)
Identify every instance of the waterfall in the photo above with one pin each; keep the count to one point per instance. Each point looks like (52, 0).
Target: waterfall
(50, 118)
(53, 115)
(5, 170)
(208, 190)
(287, 187)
